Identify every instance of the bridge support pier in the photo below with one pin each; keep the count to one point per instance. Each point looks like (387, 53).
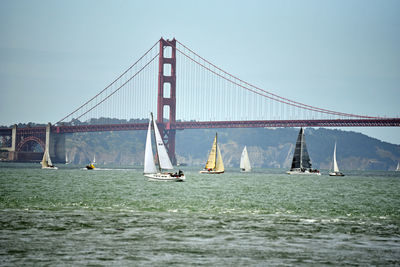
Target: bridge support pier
(55, 144)
(12, 154)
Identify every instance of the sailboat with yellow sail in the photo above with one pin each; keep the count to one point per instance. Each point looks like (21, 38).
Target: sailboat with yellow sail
(214, 164)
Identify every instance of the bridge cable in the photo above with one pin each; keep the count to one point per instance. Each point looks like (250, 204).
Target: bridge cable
(108, 86)
(283, 100)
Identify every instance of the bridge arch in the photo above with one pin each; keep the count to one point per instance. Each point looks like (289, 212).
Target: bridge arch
(31, 139)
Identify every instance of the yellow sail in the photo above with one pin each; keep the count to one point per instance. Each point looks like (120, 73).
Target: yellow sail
(210, 164)
(219, 166)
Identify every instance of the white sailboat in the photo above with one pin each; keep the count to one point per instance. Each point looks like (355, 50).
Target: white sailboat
(301, 163)
(398, 167)
(214, 164)
(46, 161)
(164, 163)
(245, 161)
(336, 171)
(66, 159)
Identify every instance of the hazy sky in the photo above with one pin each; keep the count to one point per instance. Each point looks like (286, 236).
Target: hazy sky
(338, 55)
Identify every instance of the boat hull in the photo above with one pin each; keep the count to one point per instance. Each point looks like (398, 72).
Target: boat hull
(165, 177)
(336, 174)
(295, 172)
(211, 172)
(50, 168)
(90, 167)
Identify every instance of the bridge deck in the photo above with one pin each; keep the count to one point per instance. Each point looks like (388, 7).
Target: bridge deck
(384, 122)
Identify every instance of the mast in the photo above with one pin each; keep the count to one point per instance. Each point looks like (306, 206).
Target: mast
(216, 150)
(154, 133)
(301, 148)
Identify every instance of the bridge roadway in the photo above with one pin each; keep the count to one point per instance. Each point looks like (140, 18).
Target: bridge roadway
(382, 122)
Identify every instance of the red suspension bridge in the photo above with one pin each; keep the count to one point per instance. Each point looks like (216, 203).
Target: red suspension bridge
(188, 92)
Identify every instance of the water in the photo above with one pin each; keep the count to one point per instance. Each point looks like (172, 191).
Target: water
(116, 217)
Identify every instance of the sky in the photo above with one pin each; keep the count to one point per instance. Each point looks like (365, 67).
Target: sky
(341, 55)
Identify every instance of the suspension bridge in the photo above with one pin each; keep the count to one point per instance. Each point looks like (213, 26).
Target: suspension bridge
(187, 92)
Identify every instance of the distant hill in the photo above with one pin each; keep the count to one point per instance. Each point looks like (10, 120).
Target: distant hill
(269, 148)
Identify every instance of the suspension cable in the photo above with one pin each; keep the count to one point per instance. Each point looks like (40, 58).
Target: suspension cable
(113, 82)
(275, 97)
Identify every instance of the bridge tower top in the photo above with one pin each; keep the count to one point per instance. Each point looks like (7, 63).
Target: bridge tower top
(167, 81)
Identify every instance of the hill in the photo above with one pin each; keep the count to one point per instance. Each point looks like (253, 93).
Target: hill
(268, 148)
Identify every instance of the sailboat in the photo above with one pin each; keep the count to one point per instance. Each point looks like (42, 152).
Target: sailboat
(301, 163)
(398, 167)
(214, 164)
(244, 161)
(46, 161)
(66, 159)
(163, 160)
(336, 171)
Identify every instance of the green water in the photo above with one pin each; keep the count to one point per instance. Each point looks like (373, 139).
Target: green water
(114, 217)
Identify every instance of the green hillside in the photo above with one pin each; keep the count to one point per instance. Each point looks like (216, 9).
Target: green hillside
(271, 148)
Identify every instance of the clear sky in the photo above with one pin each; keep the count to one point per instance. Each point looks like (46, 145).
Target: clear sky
(338, 55)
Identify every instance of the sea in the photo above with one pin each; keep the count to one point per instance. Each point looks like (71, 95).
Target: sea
(114, 216)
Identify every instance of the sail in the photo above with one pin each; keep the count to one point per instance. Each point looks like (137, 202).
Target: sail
(219, 165)
(398, 167)
(210, 164)
(301, 159)
(94, 159)
(244, 160)
(335, 166)
(165, 162)
(44, 160)
(48, 159)
(149, 165)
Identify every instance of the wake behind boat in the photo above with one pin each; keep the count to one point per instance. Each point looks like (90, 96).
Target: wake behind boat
(163, 160)
(214, 164)
(301, 163)
(336, 171)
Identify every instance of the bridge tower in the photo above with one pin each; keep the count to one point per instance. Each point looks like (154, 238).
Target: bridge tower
(167, 94)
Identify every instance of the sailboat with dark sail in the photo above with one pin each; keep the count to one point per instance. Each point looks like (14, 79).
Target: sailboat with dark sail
(301, 163)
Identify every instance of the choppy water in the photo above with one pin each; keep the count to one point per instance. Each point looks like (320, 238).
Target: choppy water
(117, 217)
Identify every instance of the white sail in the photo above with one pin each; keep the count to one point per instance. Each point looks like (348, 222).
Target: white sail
(149, 165)
(44, 160)
(165, 162)
(94, 159)
(398, 167)
(244, 160)
(335, 166)
(48, 159)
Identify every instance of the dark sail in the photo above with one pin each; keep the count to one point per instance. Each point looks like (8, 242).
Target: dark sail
(301, 159)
